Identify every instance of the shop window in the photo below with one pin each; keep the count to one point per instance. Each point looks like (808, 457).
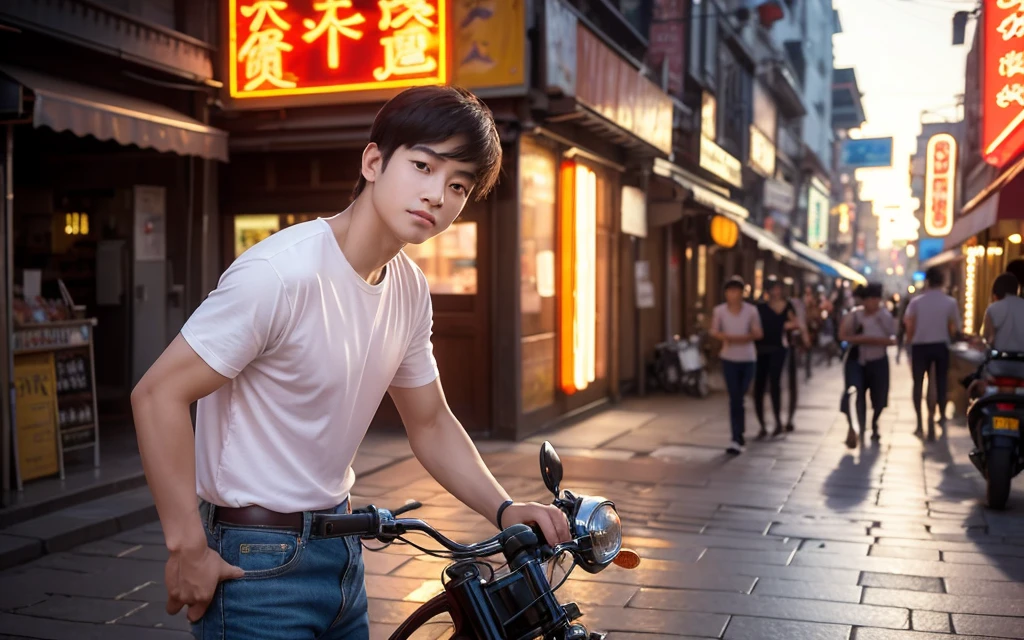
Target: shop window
(537, 274)
(449, 260)
(251, 228)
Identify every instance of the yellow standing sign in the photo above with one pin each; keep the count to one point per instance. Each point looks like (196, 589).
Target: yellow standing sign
(36, 415)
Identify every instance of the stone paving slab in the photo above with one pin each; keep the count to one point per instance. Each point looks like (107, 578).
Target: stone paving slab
(798, 538)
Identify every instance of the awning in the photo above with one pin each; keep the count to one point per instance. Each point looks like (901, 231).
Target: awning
(1000, 200)
(829, 266)
(942, 258)
(64, 105)
(768, 242)
(707, 194)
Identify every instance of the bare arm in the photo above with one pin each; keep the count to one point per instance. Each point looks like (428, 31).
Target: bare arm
(988, 329)
(160, 405)
(444, 449)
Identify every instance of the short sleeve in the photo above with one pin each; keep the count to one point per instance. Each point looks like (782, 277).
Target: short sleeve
(911, 311)
(716, 320)
(418, 366)
(755, 319)
(955, 314)
(244, 317)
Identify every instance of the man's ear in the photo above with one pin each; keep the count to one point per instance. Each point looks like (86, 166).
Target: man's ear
(373, 162)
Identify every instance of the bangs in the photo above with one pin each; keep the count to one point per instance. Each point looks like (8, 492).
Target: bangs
(429, 115)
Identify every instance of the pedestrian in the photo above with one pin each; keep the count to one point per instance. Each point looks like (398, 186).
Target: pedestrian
(812, 302)
(851, 370)
(289, 358)
(777, 318)
(932, 319)
(797, 341)
(870, 329)
(736, 324)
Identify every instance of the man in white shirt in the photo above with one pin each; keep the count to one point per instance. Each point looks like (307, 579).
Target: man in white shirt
(289, 359)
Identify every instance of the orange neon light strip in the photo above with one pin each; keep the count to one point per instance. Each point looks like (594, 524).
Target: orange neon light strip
(567, 278)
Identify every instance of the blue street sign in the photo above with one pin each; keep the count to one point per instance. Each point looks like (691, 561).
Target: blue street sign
(928, 248)
(866, 152)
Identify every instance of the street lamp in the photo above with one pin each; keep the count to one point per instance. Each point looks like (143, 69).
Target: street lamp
(1014, 238)
(911, 250)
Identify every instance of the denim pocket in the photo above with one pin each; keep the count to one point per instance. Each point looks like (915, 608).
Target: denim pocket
(261, 553)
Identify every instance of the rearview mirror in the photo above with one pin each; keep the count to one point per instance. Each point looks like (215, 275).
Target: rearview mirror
(550, 468)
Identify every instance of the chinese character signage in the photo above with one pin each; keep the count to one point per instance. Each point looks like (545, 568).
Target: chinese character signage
(863, 153)
(1002, 80)
(488, 42)
(302, 47)
(939, 182)
(817, 215)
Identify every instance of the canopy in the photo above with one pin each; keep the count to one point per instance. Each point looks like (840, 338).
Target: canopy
(64, 105)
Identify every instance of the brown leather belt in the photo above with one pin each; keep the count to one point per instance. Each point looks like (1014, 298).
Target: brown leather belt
(256, 516)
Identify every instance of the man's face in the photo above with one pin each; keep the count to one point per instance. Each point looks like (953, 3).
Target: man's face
(871, 304)
(733, 295)
(421, 192)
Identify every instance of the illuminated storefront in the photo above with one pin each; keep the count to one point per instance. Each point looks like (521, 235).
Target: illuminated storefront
(305, 79)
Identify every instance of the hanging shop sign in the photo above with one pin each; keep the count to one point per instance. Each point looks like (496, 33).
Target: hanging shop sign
(720, 162)
(939, 183)
(1002, 80)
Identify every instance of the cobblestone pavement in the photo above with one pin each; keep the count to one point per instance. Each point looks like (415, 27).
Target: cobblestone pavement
(797, 538)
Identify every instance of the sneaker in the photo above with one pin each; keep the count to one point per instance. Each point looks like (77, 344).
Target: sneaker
(734, 449)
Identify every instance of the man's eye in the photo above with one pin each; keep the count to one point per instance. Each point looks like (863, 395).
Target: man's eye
(421, 166)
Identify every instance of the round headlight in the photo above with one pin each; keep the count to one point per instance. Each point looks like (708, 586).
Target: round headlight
(605, 531)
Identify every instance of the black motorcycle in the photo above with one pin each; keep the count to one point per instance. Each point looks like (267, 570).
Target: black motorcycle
(994, 419)
(517, 604)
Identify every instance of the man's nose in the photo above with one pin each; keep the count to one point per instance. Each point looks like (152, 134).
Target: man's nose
(433, 193)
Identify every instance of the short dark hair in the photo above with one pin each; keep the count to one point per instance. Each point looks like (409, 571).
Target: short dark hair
(735, 282)
(771, 282)
(934, 277)
(1005, 284)
(860, 291)
(873, 290)
(431, 114)
(1016, 267)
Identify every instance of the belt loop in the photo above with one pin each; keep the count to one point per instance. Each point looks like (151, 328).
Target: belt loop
(307, 526)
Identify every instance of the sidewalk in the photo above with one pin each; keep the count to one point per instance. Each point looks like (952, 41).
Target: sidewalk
(797, 538)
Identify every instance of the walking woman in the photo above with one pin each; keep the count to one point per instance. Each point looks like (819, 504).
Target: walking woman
(736, 325)
(777, 318)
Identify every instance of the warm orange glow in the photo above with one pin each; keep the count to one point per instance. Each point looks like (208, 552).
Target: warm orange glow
(1002, 81)
(577, 299)
(725, 232)
(566, 273)
(303, 47)
(939, 183)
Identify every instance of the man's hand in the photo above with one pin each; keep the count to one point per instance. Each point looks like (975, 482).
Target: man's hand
(548, 517)
(192, 576)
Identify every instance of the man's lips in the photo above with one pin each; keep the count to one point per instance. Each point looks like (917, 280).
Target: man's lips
(426, 216)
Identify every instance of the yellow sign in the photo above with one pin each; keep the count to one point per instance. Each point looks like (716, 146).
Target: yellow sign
(489, 43)
(36, 415)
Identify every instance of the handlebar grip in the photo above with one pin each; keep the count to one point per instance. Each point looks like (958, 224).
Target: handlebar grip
(343, 524)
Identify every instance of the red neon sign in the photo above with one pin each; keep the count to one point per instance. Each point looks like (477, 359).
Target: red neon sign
(940, 178)
(1002, 80)
(301, 47)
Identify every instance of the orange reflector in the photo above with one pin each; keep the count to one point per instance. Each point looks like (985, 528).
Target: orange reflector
(627, 559)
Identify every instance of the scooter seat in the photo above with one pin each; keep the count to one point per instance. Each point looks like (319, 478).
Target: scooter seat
(1004, 368)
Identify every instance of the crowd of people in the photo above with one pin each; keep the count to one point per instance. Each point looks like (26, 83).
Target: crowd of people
(759, 338)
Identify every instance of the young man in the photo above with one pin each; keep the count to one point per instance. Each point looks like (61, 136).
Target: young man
(736, 324)
(932, 319)
(289, 359)
(872, 329)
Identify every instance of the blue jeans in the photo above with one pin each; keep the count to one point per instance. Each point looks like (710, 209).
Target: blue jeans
(294, 587)
(737, 381)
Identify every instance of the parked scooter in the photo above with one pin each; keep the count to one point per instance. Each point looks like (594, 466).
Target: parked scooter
(680, 365)
(994, 419)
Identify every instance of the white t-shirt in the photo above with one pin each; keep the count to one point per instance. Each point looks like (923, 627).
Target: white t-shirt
(310, 348)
